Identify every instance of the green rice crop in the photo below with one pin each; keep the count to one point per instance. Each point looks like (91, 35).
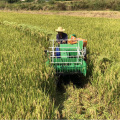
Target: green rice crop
(26, 84)
(100, 99)
(32, 31)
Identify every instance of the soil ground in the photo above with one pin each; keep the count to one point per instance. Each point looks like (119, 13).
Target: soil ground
(104, 14)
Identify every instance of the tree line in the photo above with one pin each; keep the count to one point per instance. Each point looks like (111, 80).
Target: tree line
(13, 1)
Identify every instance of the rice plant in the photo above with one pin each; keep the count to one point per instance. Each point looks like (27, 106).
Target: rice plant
(22, 65)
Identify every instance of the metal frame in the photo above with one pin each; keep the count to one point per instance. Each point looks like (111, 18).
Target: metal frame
(53, 51)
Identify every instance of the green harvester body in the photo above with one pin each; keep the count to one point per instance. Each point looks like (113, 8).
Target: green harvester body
(70, 59)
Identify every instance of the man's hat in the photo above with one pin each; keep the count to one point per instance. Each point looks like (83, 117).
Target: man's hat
(60, 29)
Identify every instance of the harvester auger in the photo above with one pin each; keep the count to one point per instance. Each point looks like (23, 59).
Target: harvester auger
(68, 58)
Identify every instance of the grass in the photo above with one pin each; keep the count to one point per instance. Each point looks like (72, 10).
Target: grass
(98, 100)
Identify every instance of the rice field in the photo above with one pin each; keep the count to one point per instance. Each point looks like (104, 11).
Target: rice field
(27, 85)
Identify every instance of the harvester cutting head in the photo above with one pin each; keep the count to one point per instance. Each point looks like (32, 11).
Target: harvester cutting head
(68, 58)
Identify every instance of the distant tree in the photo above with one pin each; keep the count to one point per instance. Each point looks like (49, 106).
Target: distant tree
(29, 0)
(12, 1)
(42, 1)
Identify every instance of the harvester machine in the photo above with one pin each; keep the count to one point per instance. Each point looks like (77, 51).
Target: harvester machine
(68, 58)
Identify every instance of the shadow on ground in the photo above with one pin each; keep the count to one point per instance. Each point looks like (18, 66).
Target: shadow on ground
(78, 81)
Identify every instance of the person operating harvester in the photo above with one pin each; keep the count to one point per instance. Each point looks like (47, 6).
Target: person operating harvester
(61, 37)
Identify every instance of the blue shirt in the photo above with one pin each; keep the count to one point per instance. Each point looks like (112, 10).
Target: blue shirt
(64, 37)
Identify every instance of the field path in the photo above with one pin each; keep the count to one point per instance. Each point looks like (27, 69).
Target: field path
(103, 14)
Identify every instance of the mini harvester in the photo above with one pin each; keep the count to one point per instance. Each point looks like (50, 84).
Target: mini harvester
(68, 58)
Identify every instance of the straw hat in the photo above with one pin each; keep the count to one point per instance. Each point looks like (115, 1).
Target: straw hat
(60, 29)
